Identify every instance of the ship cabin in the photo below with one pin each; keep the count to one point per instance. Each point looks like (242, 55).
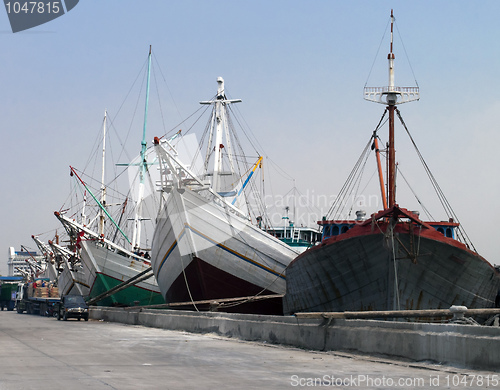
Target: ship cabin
(447, 229)
(298, 237)
(336, 228)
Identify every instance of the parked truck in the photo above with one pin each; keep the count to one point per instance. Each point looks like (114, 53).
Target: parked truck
(37, 297)
(8, 289)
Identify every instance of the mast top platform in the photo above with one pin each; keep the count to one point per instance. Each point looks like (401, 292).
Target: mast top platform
(391, 94)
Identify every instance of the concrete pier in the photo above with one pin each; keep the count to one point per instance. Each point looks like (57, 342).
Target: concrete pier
(476, 347)
(43, 353)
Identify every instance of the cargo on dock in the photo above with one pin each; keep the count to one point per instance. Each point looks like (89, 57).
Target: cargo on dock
(38, 297)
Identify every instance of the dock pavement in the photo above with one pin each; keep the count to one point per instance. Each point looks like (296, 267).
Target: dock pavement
(44, 353)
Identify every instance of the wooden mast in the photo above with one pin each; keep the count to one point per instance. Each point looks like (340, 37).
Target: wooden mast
(391, 101)
(390, 96)
(380, 175)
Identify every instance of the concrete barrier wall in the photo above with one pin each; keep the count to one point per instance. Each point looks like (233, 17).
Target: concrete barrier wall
(468, 346)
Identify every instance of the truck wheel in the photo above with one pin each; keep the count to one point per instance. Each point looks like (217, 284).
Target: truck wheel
(65, 317)
(86, 318)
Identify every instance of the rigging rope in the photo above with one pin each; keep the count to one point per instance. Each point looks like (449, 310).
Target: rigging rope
(159, 100)
(359, 183)
(426, 211)
(132, 121)
(407, 58)
(396, 284)
(165, 81)
(378, 50)
(348, 185)
(249, 129)
(442, 198)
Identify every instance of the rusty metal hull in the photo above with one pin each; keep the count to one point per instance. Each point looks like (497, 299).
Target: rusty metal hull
(359, 273)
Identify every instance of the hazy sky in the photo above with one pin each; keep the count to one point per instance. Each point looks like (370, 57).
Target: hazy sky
(300, 68)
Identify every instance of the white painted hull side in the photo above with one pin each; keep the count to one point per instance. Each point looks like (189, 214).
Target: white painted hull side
(103, 261)
(189, 226)
(73, 283)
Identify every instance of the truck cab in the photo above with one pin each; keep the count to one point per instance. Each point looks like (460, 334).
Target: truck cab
(8, 288)
(21, 295)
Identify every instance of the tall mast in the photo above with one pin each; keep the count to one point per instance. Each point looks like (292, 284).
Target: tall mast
(391, 96)
(391, 101)
(136, 237)
(220, 120)
(73, 172)
(103, 186)
(219, 123)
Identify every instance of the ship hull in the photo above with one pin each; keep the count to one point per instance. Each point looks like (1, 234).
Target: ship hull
(106, 269)
(69, 282)
(73, 283)
(359, 273)
(203, 251)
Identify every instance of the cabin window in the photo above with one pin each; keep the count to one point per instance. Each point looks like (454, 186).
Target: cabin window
(326, 232)
(440, 230)
(344, 229)
(335, 230)
(449, 233)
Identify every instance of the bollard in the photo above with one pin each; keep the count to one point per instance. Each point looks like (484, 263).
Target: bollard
(458, 312)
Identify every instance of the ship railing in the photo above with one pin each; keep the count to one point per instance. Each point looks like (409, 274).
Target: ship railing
(387, 89)
(379, 94)
(457, 312)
